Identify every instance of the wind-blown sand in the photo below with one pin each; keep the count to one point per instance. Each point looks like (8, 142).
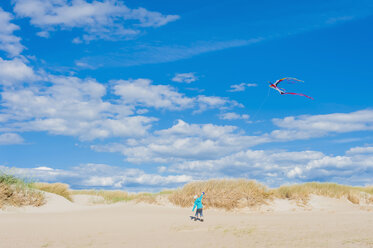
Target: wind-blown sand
(324, 222)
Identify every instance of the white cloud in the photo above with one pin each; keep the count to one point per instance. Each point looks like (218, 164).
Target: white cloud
(195, 143)
(150, 18)
(36, 174)
(154, 54)
(184, 141)
(99, 181)
(233, 116)
(359, 150)
(296, 172)
(142, 111)
(212, 102)
(100, 175)
(84, 65)
(43, 168)
(107, 19)
(303, 20)
(184, 77)
(273, 168)
(10, 139)
(43, 34)
(77, 40)
(338, 122)
(70, 106)
(348, 140)
(182, 128)
(8, 41)
(334, 20)
(67, 105)
(15, 71)
(310, 126)
(251, 160)
(276, 168)
(241, 87)
(142, 92)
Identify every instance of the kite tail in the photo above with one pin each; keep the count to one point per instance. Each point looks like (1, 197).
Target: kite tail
(298, 94)
(291, 80)
(294, 80)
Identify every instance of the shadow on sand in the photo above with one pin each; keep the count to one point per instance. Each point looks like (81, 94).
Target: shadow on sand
(195, 218)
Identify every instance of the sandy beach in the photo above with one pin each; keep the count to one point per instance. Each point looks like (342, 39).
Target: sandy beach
(118, 117)
(325, 222)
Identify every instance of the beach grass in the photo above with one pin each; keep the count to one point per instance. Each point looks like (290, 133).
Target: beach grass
(220, 193)
(224, 193)
(17, 192)
(238, 193)
(144, 197)
(114, 196)
(302, 192)
(61, 189)
(109, 196)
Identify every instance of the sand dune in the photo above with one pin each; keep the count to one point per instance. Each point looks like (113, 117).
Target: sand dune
(56, 203)
(324, 222)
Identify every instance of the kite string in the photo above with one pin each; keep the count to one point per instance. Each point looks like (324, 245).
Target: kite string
(261, 105)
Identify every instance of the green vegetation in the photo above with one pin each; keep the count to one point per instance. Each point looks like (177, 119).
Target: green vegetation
(239, 193)
(225, 193)
(17, 192)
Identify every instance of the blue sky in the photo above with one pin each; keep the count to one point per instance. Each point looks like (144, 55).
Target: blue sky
(146, 95)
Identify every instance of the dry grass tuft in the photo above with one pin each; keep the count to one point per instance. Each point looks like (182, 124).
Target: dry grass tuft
(109, 196)
(15, 192)
(144, 197)
(226, 193)
(150, 198)
(302, 192)
(55, 188)
(353, 198)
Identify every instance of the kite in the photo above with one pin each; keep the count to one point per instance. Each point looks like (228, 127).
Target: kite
(282, 91)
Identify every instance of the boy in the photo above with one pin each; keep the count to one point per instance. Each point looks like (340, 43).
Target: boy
(198, 204)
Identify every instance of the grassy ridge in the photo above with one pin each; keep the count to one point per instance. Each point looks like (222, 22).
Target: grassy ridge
(302, 192)
(239, 193)
(17, 192)
(109, 196)
(55, 188)
(224, 193)
(113, 196)
(227, 194)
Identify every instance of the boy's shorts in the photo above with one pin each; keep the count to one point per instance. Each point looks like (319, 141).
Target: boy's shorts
(199, 211)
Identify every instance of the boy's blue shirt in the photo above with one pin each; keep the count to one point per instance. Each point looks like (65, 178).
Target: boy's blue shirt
(198, 203)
